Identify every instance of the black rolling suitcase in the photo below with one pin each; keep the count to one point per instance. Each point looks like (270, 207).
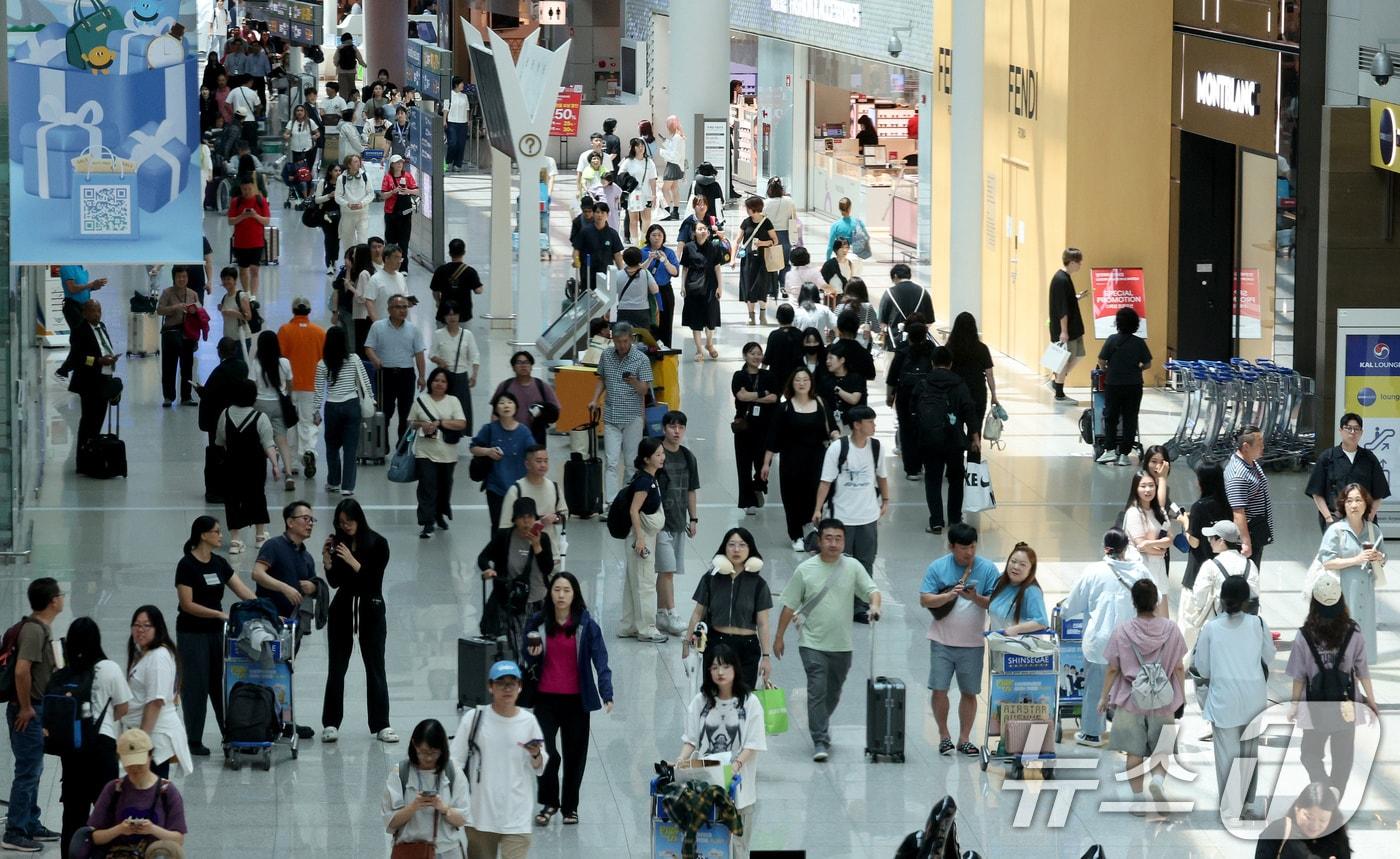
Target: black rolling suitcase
(104, 456)
(884, 712)
(583, 479)
(473, 661)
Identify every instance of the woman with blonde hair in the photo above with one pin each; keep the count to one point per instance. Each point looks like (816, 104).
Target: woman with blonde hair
(673, 152)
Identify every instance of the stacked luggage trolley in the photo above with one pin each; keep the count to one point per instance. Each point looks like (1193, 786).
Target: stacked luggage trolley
(1223, 397)
(1023, 702)
(258, 700)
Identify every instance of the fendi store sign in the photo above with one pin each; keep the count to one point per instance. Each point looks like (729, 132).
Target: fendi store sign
(1226, 91)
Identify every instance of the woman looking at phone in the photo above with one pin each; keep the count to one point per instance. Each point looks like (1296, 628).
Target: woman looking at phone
(426, 796)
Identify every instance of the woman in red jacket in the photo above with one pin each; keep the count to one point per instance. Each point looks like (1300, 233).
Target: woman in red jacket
(400, 199)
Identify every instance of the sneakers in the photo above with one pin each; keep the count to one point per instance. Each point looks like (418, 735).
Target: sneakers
(308, 463)
(16, 842)
(934, 529)
(1062, 400)
(945, 746)
(387, 735)
(305, 732)
(1107, 457)
(329, 734)
(651, 638)
(669, 621)
(821, 752)
(622, 633)
(199, 750)
(42, 834)
(799, 546)
(750, 511)
(761, 499)
(1123, 459)
(1093, 741)
(289, 485)
(914, 476)
(332, 490)
(426, 532)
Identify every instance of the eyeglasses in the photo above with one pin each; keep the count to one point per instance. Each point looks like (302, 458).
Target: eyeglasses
(308, 517)
(1351, 428)
(142, 626)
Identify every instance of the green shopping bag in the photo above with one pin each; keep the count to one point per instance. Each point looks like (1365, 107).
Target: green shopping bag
(775, 714)
(90, 31)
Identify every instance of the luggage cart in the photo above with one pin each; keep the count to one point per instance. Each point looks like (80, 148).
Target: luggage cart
(1069, 633)
(1223, 397)
(1091, 422)
(1026, 683)
(712, 841)
(238, 668)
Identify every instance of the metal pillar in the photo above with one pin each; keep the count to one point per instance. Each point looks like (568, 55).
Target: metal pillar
(966, 189)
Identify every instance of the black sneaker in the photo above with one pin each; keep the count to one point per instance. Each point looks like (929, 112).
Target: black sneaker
(945, 746)
(305, 732)
(14, 842)
(442, 523)
(199, 750)
(40, 833)
(934, 529)
(426, 532)
(308, 463)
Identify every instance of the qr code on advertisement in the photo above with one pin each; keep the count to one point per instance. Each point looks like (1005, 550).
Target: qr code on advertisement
(105, 210)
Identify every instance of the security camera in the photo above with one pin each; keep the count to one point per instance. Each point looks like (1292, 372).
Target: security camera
(896, 47)
(1382, 67)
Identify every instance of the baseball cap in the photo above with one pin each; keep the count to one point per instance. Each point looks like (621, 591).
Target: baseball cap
(504, 668)
(1224, 529)
(301, 301)
(395, 159)
(134, 747)
(1327, 595)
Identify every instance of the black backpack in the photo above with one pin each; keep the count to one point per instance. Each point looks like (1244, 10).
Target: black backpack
(69, 724)
(938, 421)
(913, 376)
(841, 466)
(345, 59)
(252, 714)
(1330, 684)
(620, 513)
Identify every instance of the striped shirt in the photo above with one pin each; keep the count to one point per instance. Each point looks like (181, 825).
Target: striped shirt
(348, 383)
(1246, 488)
(623, 404)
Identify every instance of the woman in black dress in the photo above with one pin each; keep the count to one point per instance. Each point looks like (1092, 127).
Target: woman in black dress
(700, 263)
(756, 232)
(972, 361)
(699, 214)
(755, 396)
(842, 388)
(802, 427)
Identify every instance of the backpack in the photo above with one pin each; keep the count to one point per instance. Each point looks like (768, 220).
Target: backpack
(860, 241)
(938, 422)
(345, 58)
(841, 465)
(1152, 687)
(473, 750)
(913, 376)
(255, 322)
(620, 513)
(251, 715)
(1330, 684)
(9, 655)
(450, 770)
(69, 725)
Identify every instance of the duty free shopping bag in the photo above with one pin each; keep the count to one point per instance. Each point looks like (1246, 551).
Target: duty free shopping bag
(775, 712)
(977, 488)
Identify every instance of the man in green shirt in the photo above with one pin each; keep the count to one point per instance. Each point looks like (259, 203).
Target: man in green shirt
(34, 664)
(820, 594)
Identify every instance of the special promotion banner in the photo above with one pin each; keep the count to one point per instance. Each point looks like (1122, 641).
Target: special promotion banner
(1114, 288)
(104, 132)
(1371, 381)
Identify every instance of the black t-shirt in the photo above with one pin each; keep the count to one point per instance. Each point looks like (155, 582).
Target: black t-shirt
(647, 485)
(1126, 354)
(1063, 303)
(455, 287)
(973, 372)
(196, 272)
(1205, 512)
(206, 583)
(761, 383)
(851, 383)
(598, 247)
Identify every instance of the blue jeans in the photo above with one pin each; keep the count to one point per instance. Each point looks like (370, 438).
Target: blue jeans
(342, 442)
(456, 143)
(28, 749)
(1092, 722)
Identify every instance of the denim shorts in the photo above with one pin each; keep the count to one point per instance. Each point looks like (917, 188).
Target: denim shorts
(670, 552)
(966, 662)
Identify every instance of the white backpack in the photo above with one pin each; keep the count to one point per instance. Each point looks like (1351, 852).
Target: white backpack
(1152, 687)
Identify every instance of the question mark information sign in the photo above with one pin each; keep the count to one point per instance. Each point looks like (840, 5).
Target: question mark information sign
(566, 111)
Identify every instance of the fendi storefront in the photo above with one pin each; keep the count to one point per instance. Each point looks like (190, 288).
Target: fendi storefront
(1234, 164)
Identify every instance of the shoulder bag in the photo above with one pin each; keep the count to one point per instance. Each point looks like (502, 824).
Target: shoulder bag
(480, 467)
(449, 436)
(549, 413)
(942, 611)
(773, 258)
(800, 616)
(368, 407)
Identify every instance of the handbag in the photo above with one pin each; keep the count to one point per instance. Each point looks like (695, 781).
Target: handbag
(775, 713)
(1055, 357)
(403, 465)
(773, 258)
(368, 407)
(90, 31)
(417, 849)
(311, 215)
(942, 611)
(449, 436)
(978, 496)
(480, 467)
(290, 418)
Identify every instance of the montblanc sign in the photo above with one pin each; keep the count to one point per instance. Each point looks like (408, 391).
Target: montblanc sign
(1227, 93)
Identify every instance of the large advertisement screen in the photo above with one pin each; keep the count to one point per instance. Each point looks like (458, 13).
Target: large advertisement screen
(1371, 388)
(104, 133)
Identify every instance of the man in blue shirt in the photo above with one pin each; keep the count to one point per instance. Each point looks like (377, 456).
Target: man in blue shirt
(964, 582)
(285, 571)
(395, 347)
(78, 287)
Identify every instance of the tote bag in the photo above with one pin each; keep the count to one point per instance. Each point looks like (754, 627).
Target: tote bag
(977, 488)
(403, 467)
(775, 712)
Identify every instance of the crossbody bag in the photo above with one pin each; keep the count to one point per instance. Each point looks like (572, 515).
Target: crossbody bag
(448, 436)
(800, 617)
(942, 611)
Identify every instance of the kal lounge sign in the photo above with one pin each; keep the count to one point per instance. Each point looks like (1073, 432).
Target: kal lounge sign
(1224, 92)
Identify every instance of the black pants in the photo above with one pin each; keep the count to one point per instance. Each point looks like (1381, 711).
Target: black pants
(176, 351)
(937, 462)
(748, 648)
(434, 490)
(909, 450)
(459, 386)
(748, 458)
(94, 405)
(799, 475)
(1260, 535)
(85, 773)
(250, 135)
(494, 503)
(201, 679)
(562, 714)
(666, 316)
(361, 335)
(1343, 749)
(400, 384)
(1121, 404)
(340, 639)
(332, 242)
(398, 229)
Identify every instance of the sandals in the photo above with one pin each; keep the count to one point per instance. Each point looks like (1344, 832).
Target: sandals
(699, 356)
(571, 818)
(546, 814)
(714, 353)
(235, 547)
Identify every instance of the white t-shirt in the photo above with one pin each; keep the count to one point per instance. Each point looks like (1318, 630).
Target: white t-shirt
(300, 133)
(819, 317)
(435, 449)
(460, 352)
(364, 295)
(642, 170)
(385, 285)
(504, 801)
(459, 107)
(331, 104)
(109, 690)
(721, 735)
(856, 501)
(266, 391)
(152, 679)
(455, 791)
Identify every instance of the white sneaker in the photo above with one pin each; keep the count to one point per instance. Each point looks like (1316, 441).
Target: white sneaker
(651, 638)
(799, 546)
(750, 511)
(1123, 459)
(1107, 457)
(387, 735)
(329, 734)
